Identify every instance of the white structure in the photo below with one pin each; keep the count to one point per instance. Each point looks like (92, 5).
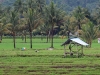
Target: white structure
(79, 41)
(74, 41)
(98, 40)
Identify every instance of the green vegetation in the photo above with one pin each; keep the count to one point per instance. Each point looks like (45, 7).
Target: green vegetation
(30, 29)
(39, 17)
(40, 61)
(68, 5)
(37, 43)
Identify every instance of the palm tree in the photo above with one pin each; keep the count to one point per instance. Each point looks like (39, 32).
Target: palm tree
(23, 27)
(32, 22)
(54, 18)
(66, 27)
(13, 24)
(3, 29)
(46, 27)
(18, 6)
(40, 5)
(3, 20)
(90, 32)
(21, 8)
(33, 17)
(79, 15)
(96, 16)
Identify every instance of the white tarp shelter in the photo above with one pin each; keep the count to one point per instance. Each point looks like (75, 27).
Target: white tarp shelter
(79, 41)
(74, 41)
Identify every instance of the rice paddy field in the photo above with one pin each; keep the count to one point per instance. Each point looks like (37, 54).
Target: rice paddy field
(41, 61)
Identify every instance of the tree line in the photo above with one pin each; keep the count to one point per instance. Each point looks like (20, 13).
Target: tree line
(27, 17)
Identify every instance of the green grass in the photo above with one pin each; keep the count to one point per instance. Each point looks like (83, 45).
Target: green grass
(46, 62)
(37, 43)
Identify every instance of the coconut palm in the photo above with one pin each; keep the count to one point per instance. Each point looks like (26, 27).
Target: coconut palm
(90, 32)
(18, 6)
(51, 14)
(40, 5)
(3, 29)
(46, 27)
(21, 8)
(54, 18)
(3, 21)
(33, 17)
(14, 21)
(22, 28)
(79, 15)
(33, 20)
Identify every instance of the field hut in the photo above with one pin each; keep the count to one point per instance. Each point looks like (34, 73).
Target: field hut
(75, 46)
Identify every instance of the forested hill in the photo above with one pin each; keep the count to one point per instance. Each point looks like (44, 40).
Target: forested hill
(71, 4)
(67, 4)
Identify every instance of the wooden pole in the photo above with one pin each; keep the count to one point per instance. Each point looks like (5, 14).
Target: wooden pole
(82, 50)
(77, 51)
(70, 47)
(64, 50)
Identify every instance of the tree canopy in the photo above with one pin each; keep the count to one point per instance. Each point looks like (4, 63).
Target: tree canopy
(56, 17)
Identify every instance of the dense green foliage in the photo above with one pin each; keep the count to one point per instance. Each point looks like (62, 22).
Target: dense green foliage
(48, 18)
(68, 5)
(34, 25)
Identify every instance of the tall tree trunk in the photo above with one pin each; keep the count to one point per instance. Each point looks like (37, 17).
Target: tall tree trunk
(47, 38)
(79, 25)
(25, 36)
(51, 41)
(30, 39)
(65, 51)
(52, 36)
(68, 34)
(14, 39)
(1, 37)
(90, 42)
(42, 37)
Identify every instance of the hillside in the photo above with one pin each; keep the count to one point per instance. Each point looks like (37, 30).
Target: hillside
(67, 5)
(7, 2)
